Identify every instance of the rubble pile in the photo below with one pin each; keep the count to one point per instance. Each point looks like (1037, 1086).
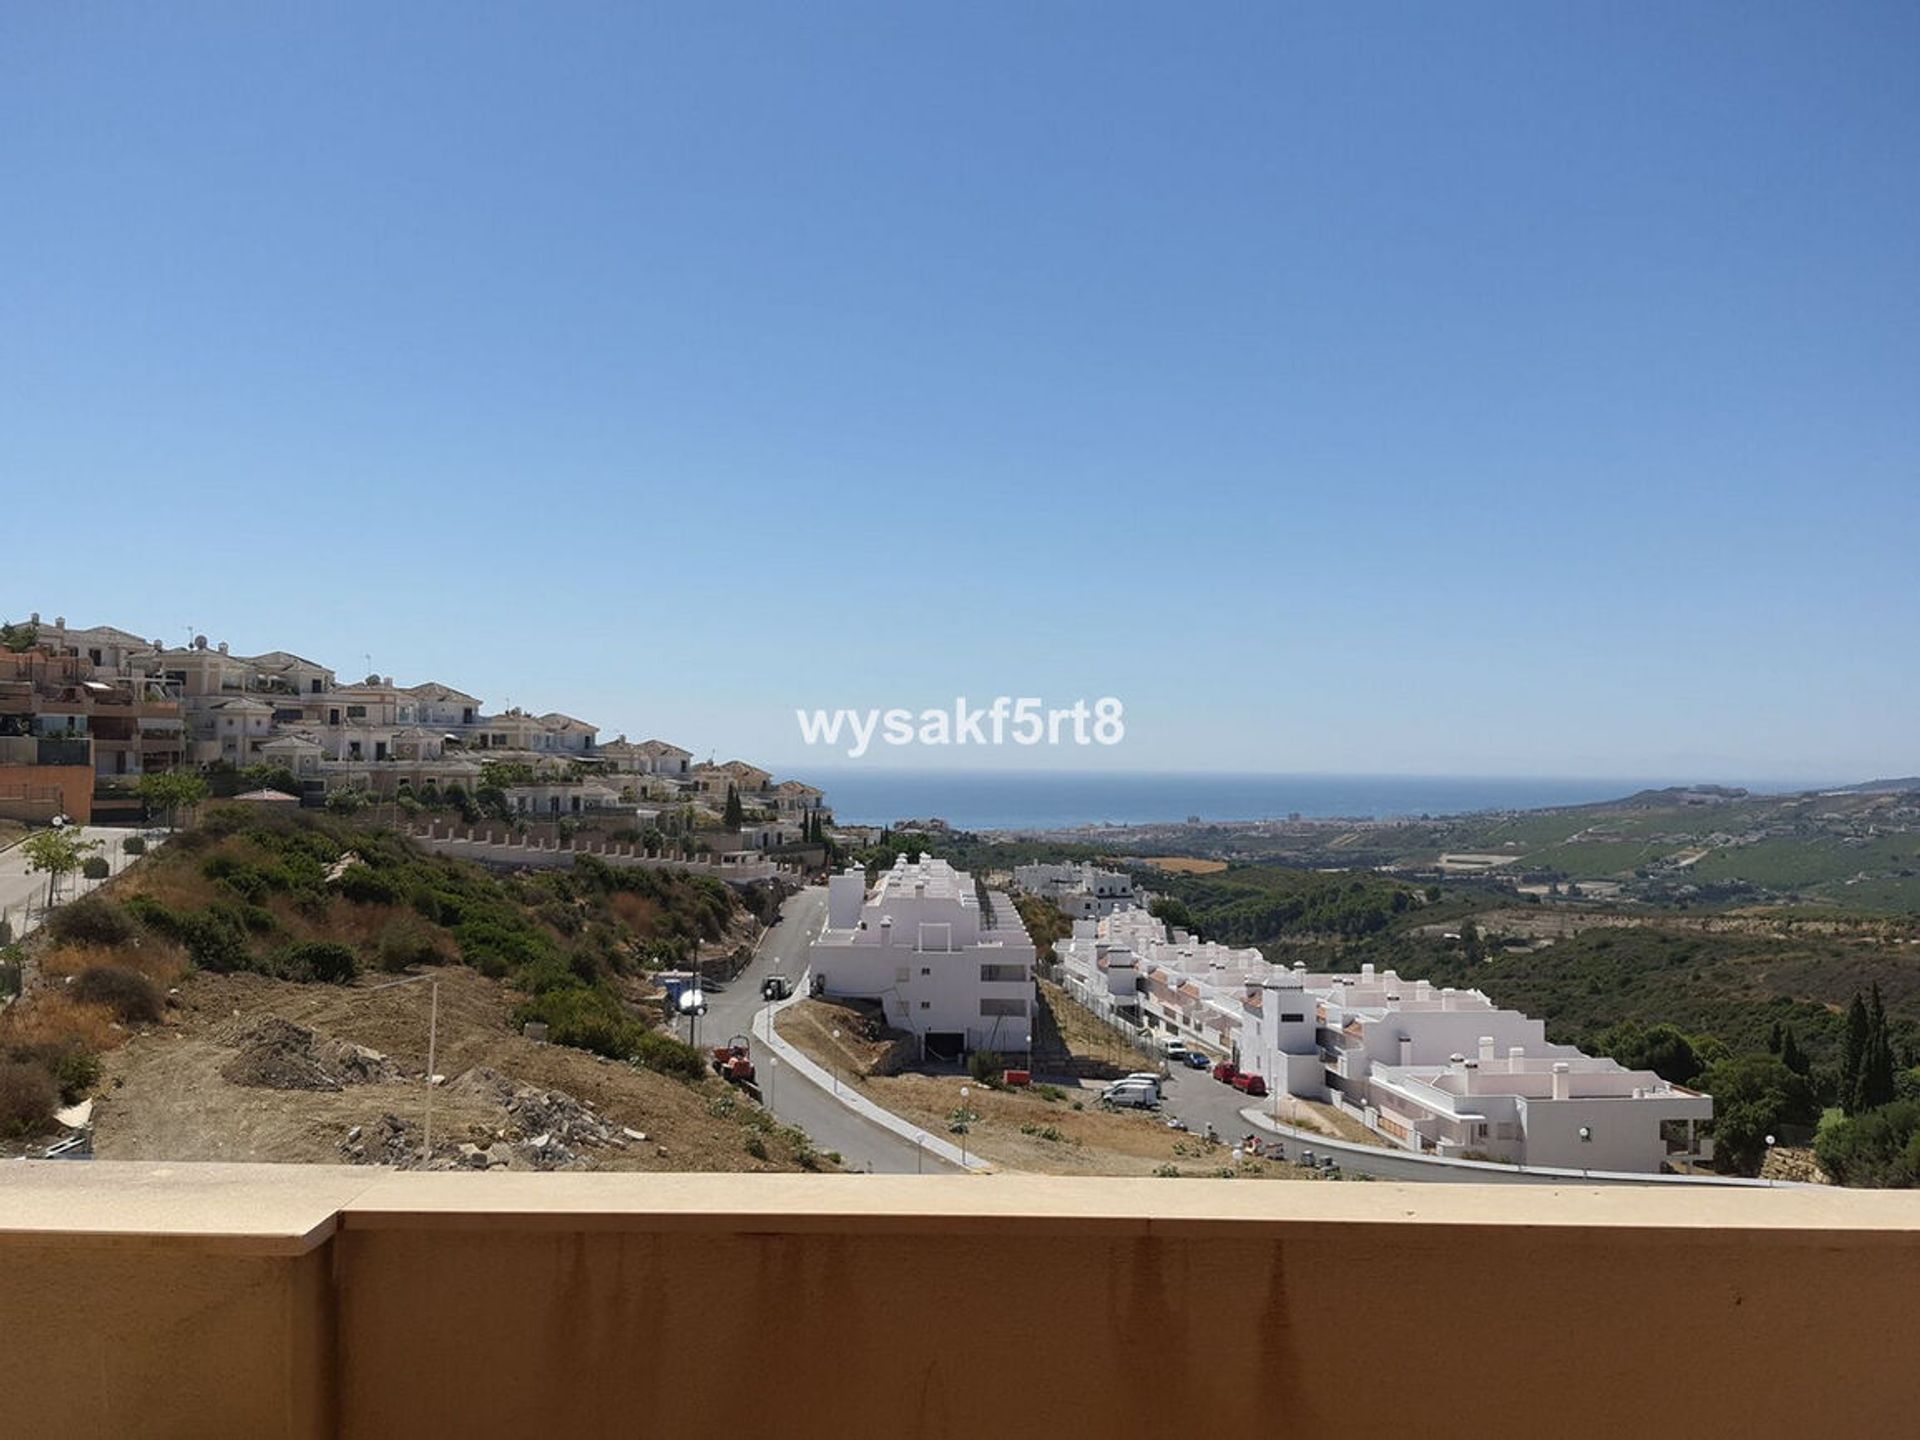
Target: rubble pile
(277, 1054)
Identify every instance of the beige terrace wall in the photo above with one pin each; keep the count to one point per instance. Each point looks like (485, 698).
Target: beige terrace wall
(849, 1306)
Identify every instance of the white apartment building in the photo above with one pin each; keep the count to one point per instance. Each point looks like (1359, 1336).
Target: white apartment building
(942, 966)
(1436, 1070)
(1082, 891)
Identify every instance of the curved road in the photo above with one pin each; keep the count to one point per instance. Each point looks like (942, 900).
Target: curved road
(789, 1095)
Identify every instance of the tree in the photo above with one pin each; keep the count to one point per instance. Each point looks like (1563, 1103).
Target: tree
(170, 791)
(734, 814)
(1853, 1051)
(1792, 1056)
(1876, 1065)
(58, 852)
(1753, 1096)
(19, 638)
(1173, 913)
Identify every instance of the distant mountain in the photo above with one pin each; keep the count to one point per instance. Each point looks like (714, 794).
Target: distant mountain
(1883, 787)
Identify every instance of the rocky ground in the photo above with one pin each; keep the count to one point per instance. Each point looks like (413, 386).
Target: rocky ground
(245, 1068)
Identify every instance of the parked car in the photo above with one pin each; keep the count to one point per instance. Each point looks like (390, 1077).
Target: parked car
(1250, 1084)
(1224, 1072)
(1176, 1050)
(775, 987)
(1197, 1060)
(1131, 1095)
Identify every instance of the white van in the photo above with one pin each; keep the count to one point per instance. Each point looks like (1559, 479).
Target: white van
(1131, 1094)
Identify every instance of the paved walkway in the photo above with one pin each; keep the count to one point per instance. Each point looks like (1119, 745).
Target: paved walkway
(23, 894)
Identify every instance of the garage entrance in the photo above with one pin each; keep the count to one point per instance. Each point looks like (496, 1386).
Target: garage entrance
(945, 1044)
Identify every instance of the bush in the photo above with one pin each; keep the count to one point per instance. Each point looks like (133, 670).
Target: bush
(986, 1066)
(133, 845)
(658, 1050)
(95, 867)
(365, 886)
(133, 998)
(327, 962)
(28, 1098)
(214, 938)
(1879, 1147)
(91, 920)
(754, 1146)
(406, 943)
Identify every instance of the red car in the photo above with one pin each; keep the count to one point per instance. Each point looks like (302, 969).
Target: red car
(1252, 1084)
(1224, 1072)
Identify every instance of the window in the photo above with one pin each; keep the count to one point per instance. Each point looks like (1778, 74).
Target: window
(1292, 1019)
(1003, 1007)
(1003, 974)
(926, 970)
(356, 712)
(926, 1005)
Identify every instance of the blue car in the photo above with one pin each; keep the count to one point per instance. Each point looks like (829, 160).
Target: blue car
(1197, 1061)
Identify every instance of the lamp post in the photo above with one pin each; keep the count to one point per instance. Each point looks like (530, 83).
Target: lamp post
(835, 1059)
(773, 1065)
(1767, 1167)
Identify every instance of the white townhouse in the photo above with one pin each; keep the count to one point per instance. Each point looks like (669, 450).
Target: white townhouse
(1437, 1070)
(1082, 891)
(946, 961)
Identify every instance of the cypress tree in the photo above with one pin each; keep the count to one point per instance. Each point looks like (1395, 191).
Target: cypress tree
(1791, 1054)
(1853, 1053)
(1876, 1066)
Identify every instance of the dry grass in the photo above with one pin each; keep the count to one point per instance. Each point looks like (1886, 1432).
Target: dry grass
(159, 961)
(1019, 1129)
(53, 1021)
(1183, 864)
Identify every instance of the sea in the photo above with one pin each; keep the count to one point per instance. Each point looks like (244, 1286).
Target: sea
(1061, 800)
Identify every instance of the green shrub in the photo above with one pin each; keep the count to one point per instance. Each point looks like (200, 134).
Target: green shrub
(660, 1051)
(406, 943)
(95, 867)
(214, 938)
(365, 886)
(92, 920)
(326, 962)
(133, 998)
(28, 1098)
(986, 1066)
(754, 1146)
(134, 845)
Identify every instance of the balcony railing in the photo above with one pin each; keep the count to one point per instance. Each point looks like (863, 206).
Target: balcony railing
(280, 1301)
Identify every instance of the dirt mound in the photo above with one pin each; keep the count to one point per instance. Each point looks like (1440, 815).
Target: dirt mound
(277, 1054)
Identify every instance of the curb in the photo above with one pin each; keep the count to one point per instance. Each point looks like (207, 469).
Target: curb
(1468, 1172)
(851, 1099)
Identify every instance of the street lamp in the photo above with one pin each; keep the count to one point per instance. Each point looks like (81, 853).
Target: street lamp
(773, 1065)
(1770, 1177)
(834, 1061)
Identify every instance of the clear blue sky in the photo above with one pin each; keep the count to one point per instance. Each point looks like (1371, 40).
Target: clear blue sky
(1445, 389)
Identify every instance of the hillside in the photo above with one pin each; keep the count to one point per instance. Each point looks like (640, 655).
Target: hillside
(241, 994)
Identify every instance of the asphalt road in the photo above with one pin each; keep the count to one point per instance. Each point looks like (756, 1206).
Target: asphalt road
(1197, 1098)
(794, 1099)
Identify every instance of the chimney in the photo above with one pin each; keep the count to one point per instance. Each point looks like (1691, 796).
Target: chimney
(1486, 1047)
(886, 930)
(1446, 998)
(1562, 1080)
(1457, 1061)
(1366, 971)
(1515, 1054)
(1406, 1049)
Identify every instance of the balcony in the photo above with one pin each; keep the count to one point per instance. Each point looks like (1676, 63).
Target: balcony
(307, 1301)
